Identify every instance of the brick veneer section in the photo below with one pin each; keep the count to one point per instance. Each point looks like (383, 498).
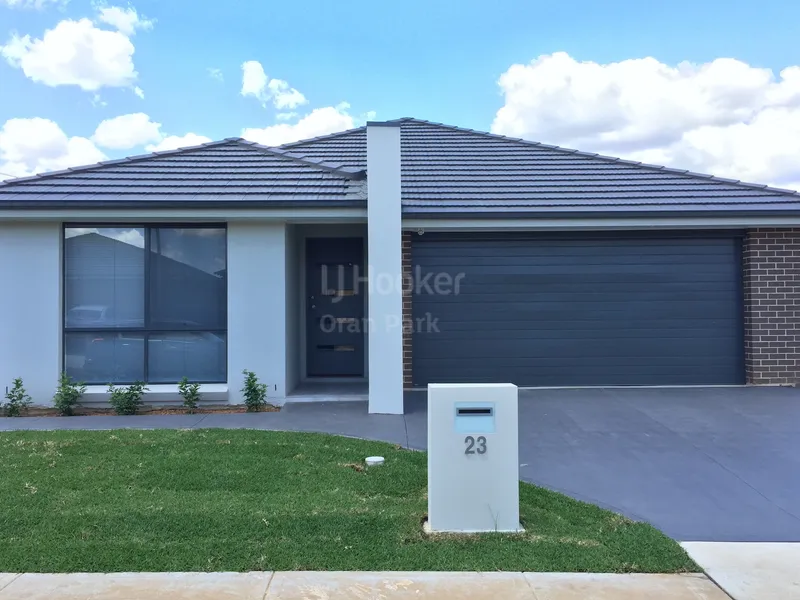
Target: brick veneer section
(408, 325)
(771, 261)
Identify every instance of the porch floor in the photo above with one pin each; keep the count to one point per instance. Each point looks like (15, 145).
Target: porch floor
(329, 391)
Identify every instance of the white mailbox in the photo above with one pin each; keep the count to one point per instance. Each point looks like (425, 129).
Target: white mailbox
(473, 457)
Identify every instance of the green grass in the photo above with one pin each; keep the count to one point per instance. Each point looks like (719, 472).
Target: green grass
(215, 500)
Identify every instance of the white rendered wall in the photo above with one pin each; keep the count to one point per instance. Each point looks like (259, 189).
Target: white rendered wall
(385, 269)
(257, 306)
(30, 307)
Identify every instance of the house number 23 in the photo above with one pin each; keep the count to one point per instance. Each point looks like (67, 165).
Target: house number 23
(475, 445)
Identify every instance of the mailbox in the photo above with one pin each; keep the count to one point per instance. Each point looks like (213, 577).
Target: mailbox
(473, 458)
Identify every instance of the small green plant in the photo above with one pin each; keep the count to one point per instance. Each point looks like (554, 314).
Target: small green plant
(67, 395)
(255, 393)
(17, 399)
(190, 393)
(126, 400)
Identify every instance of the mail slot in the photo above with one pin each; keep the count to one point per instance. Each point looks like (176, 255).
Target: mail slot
(473, 458)
(474, 418)
(474, 412)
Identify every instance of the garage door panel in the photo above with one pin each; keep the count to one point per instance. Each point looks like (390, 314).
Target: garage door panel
(622, 290)
(588, 262)
(585, 348)
(588, 279)
(580, 377)
(536, 310)
(487, 332)
(566, 247)
(480, 295)
(577, 311)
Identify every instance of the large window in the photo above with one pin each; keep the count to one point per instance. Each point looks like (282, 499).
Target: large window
(145, 304)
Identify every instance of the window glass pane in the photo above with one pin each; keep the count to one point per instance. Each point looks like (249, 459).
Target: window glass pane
(104, 357)
(103, 277)
(187, 278)
(198, 356)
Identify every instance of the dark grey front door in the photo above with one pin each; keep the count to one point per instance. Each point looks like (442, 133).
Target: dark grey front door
(335, 307)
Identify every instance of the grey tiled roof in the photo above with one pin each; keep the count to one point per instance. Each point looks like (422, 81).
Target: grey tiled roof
(230, 173)
(448, 170)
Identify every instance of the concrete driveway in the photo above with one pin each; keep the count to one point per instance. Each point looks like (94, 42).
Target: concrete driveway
(701, 464)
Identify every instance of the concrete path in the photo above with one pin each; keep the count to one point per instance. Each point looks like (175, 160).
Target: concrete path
(751, 571)
(701, 464)
(356, 586)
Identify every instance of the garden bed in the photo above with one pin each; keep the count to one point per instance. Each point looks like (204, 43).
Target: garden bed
(207, 409)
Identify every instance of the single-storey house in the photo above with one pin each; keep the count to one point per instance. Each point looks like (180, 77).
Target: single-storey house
(395, 255)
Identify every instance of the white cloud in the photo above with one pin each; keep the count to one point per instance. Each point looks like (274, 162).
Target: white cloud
(125, 20)
(254, 80)
(287, 116)
(35, 4)
(127, 131)
(215, 73)
(173, 142)
(74, 53)
(256, 83)
(284, 96)
(319, 121)
(724, 117)
(29, 146)
(138, 91)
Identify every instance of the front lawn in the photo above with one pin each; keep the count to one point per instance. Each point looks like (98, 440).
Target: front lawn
(218, 500)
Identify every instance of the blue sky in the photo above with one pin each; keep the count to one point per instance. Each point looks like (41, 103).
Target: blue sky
(435, 60)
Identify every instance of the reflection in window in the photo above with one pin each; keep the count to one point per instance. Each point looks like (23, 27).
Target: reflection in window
(104, 357)
(187, 278)
(198, 356)
(104, 277)
(145, 303)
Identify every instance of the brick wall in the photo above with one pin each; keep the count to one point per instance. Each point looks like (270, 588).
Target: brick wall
(408, 325)
(771, 260)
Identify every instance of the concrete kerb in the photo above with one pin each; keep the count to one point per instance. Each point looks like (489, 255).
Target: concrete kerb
(299, 585)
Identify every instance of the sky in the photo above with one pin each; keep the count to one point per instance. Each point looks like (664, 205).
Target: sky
(709, 86)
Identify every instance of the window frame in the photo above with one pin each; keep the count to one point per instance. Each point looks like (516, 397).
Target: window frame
(145, 329)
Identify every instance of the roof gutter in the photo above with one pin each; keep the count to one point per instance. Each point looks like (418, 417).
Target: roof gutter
(527, 221)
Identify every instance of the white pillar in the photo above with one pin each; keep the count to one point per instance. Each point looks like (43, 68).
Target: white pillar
(384, 233)
(30, 308)
(257, 307)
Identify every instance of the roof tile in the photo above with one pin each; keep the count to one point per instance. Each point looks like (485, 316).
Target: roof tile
(222, 173)
(446, 170)
(457, 170)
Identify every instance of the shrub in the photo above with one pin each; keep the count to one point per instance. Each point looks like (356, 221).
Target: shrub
(255, 393)
(67, 395)
(126, 401)
(17, 398)
(190, 393)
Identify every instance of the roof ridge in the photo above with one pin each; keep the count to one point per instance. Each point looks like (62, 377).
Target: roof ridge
(115, 161)
(609, 159)
(324, 137)
(348, 172)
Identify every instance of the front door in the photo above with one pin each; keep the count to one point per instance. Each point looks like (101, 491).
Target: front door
(335, 307)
